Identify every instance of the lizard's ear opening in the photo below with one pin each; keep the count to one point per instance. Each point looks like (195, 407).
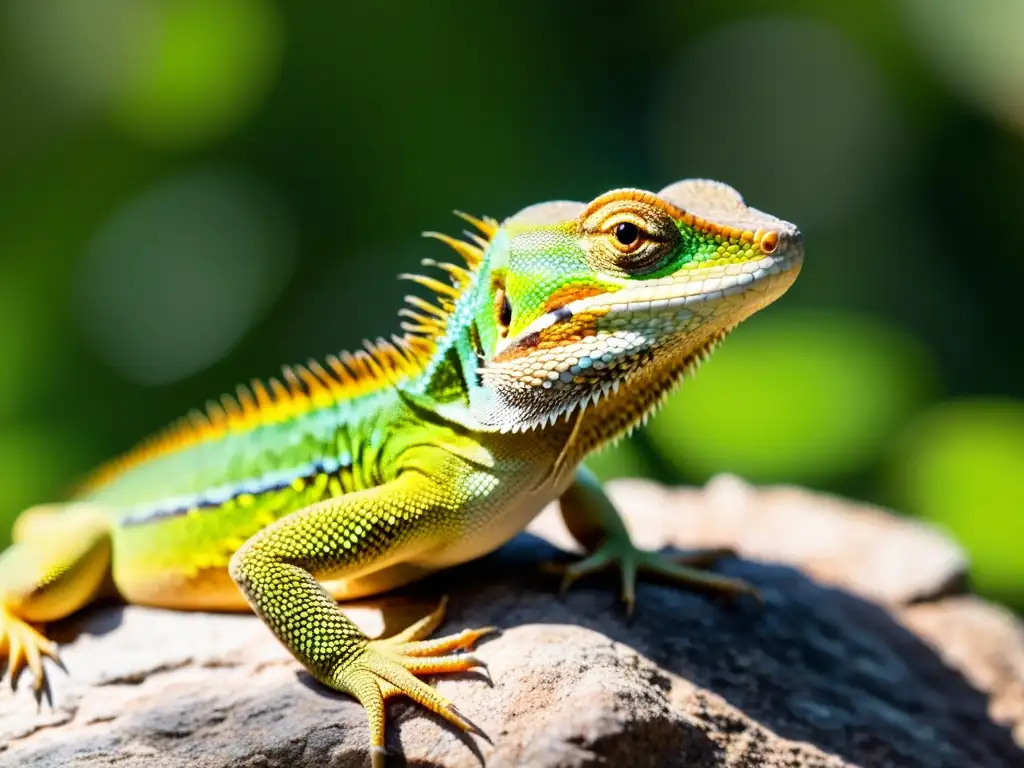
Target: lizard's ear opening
(474, 339)
(502, 309)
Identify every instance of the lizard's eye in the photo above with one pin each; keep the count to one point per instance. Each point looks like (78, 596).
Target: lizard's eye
(627, 233)
(629, 236)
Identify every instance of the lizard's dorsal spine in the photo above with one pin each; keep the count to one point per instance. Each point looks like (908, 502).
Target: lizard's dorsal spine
(324, 402)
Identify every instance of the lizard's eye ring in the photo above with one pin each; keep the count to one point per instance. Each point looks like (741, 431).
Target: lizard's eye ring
(630, 236)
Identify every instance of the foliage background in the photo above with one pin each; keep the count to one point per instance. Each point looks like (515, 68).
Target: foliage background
(193, 192)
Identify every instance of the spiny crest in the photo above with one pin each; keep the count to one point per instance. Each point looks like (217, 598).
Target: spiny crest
(315, 385)
(426, 320)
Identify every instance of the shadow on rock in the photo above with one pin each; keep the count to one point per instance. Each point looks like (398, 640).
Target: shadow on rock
(815, 664)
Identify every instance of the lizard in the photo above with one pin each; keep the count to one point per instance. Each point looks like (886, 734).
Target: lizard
(562, 328)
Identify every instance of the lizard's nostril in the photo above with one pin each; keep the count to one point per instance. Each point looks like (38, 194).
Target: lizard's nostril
(769, 242)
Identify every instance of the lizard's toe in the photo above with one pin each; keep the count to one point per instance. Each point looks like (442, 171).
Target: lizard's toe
(21, 646)
(684, 570)
(389, 667)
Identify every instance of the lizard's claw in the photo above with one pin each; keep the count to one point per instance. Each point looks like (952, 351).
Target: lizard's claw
(682, 569)
(22, 645)
(389, 667)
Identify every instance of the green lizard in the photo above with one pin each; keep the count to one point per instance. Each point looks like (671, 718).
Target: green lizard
(566, 327)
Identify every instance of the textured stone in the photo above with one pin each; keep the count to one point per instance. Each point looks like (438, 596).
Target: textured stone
(855, 546)
(984, 642)
(864, 656)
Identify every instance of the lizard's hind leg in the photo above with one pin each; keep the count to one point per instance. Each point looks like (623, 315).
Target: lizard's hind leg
(58, 563)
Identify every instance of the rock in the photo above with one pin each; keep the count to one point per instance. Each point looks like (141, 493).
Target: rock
(857, 547)
(865, 656)
(985, 643)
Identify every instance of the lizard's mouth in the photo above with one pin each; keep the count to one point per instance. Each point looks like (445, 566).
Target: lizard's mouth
(704, 294)
(644, 310)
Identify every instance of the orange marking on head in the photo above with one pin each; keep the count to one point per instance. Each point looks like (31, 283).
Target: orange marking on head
(762, 239)
(569, 294)
(639, 196)
(555, 336)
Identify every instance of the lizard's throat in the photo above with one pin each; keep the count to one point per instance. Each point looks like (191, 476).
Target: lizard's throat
(639, 396)
(612, 401)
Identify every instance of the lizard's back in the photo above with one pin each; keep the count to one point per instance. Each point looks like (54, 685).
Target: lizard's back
(181, 503)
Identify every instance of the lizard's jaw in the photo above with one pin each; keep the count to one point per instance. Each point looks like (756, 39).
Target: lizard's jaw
(668, 305)
(580, 354)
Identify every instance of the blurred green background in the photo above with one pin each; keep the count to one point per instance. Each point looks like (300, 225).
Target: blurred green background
(194, 192)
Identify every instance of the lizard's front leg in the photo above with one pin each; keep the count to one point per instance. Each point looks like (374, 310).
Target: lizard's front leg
(358, 533)
(593, 521)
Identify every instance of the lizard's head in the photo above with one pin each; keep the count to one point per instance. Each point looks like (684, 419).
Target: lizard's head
(583, 304)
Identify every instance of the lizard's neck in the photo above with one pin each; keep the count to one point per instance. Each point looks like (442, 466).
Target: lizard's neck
(450, 380)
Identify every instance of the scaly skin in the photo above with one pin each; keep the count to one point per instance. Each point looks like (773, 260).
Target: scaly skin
(567, 326)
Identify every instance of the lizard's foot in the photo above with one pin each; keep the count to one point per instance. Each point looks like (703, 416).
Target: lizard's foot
(389, 667)
(23, 645)
(682, 569)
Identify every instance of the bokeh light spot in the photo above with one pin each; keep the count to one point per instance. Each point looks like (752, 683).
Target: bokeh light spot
(623, 459)
(976, 48)
(794, 396)
(21, 337)
(169, 73)
(962, 464)
(802, 125)
(81, 53)
(212, 63)
(177, 276)
(33, 458)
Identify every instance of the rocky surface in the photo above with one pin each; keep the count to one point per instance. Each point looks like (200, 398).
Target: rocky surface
(869, 654)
